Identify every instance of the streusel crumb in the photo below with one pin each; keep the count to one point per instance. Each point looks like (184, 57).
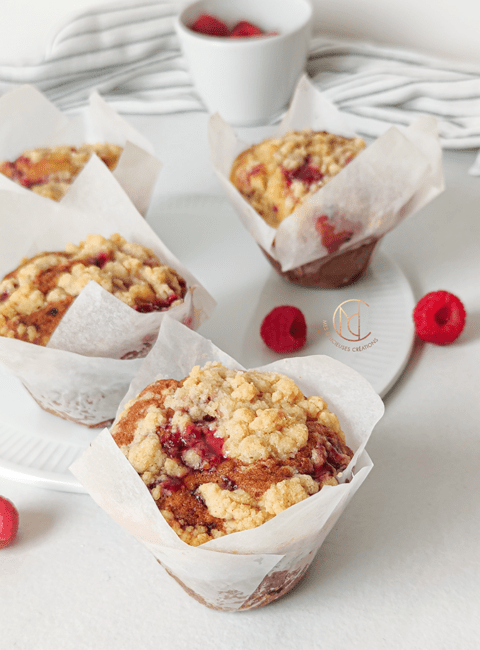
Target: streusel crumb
(279, 174)
(49, 171)
(224, 450)
(35, 296)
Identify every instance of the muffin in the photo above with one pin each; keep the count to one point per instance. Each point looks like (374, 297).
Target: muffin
(219, 436)
(313, 232)
(279, 174)
(49, 171)
(35, 296)
(224, 450)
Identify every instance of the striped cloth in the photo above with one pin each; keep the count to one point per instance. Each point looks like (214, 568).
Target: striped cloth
(130, 54)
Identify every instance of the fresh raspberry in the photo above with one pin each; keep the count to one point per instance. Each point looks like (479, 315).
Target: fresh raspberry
(244, 29)
(210, 26)
(439, 317)
(8, 522)
(284, 329)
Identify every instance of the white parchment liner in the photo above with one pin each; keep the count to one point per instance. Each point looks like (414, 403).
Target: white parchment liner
(390, 180)
(86, 367)
(225, 572)
(29, 120)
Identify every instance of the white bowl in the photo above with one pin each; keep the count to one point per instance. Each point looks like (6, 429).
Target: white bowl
(247, 80)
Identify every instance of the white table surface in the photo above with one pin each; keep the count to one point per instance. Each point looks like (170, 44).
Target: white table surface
(400, 570)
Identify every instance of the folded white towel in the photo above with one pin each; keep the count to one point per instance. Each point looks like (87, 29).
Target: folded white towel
(128, 52)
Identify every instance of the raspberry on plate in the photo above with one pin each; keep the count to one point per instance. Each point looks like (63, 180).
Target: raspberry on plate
(8, 522)
(439, 317)
(284, 329)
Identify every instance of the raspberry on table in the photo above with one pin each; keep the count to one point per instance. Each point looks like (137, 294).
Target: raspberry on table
(284, 329)
(8, 522)
(439, 317)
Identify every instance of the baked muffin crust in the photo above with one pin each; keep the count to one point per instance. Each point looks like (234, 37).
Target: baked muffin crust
(49, 171)
(279, 174)
(35, 296)
(223, 450)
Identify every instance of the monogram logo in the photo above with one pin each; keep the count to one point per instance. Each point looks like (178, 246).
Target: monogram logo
(347, 322)
(349, 326)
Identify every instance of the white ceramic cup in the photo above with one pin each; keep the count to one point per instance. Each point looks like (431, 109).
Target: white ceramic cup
(248, 81)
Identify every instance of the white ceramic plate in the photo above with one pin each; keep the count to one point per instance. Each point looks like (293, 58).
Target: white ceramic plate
(206, 235)
(227, 260)
(35, 446)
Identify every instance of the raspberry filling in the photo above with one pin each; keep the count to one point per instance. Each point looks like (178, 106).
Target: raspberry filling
(306, 173)
(37, 325)
(171, 485)
(101, 259)
(23, 178)
(331, 458)
(323, 457)
(330, 239)
(156, 305)
(198, 438)
(192, 460)
(255, 170)
(28, 173)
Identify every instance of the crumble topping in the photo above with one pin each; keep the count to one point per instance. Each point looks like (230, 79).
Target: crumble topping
(35, 296)
(226, 450)
(278, 174)
(49, 171)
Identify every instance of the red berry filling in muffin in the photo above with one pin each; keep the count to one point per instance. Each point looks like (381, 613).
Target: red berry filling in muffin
(49, 171)
(279, 174)
(35, 296)
(223, 450)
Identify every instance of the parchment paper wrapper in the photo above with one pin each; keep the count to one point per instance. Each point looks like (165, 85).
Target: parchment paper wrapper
(89, 361)
(29, 120)
(251, 568)
(390, 180)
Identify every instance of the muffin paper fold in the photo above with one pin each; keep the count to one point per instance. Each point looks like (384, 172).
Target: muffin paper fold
(394, 177)
(246, 569)
(28, 120)
(87, 365)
